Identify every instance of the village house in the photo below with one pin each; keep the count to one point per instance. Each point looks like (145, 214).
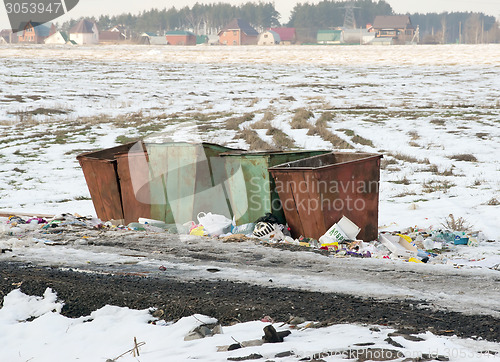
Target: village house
(58, 38)
(148, 38)
(288, 36)
(357, 36)
(8, 37)
(238, 32)
(395, 29)
(180, 37)
(269, 37)
(110, 37)
(35, 33)
(85, 32)
(329, 37)
(122, 30)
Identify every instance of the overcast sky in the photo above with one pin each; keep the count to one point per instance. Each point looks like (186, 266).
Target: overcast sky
(113, 7)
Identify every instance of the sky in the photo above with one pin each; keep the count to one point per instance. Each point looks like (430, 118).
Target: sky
(114, 7)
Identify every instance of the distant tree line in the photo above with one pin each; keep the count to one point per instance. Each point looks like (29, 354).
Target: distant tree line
(457, 27)
(307, 18)
(201, 18)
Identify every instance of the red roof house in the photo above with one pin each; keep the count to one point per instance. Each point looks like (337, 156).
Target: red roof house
(287, 35)
(238, 32)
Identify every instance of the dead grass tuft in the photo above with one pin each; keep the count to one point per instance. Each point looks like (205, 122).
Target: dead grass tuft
(265, 122)
(493, 202)
(467, 157)
(280, 138)
(408, 158)
(299, 120)
(320, 129)
(437, 185)
(403, 181)
(253, 140)
(234, 123)
(362, 141)
(438, 122)
(456, 224)
(386, 162)
(414, 135)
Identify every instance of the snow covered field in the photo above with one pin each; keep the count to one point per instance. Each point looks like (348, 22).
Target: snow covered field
(433, 111)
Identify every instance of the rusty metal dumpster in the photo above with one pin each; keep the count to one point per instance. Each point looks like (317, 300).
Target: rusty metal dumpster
(185, 179)
(316, 192)
(100, 171)
(133, 174)
(250, 186)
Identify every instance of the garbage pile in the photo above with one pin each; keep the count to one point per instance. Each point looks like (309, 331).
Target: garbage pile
(433, 246)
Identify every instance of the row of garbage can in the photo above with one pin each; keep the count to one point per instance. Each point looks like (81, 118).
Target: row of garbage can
(175, 181)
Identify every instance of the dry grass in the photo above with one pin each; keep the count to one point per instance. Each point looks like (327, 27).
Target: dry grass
(406, 193)
(234, 123)
(467, 157)
(299, 120)
(437, 185)
(253, 140)
(438, 122)
(320, 129)
(435, 170)
(265, 122)
(362, 141)
(403, 181)
(414, 135)
(386, 162)
(408, 158)
(493, 202)
(456, 224)
(280, 138)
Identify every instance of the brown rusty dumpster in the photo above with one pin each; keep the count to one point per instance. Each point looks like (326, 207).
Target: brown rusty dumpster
(133, 173)
(250, 185)
(316, 192)
(100, 170)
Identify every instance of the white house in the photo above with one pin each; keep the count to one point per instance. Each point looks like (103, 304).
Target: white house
(153, 39)
(58, 37)
(269, 37)
(85, 32)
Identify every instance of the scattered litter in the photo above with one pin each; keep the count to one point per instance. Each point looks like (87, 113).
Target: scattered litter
(204, 330)
(433, 246)
(399, 245)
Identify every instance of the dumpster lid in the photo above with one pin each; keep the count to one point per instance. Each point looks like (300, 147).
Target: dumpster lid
(108, 153)
(333, 159)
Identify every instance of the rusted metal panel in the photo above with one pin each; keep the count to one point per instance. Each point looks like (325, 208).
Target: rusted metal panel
(100, 171)
(251, 188)
(133, 173)
(324, 188)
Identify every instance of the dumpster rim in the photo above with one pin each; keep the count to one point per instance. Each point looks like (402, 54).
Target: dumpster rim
(265, 153)
(286, 166)
(90, 153)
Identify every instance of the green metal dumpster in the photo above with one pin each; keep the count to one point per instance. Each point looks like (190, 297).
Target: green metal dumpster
(250, 187)
(316, 192)
(186, 179)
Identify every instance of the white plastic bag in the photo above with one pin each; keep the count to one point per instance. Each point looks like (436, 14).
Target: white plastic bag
(214, 224)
